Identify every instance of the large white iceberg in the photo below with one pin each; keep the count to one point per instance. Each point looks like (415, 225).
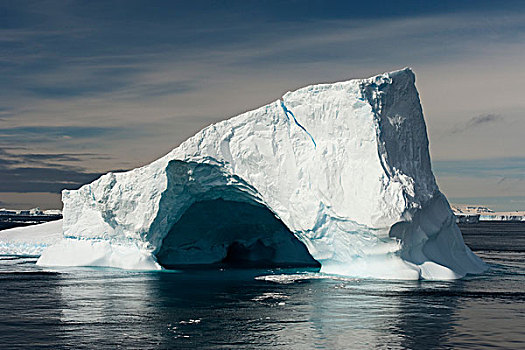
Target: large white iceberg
(339, 172)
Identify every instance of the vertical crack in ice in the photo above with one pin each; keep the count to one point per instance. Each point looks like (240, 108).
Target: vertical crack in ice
(375, 102)
(287, 111)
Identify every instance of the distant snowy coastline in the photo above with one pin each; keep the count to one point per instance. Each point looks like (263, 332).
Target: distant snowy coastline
(10, 218)
(475, 213)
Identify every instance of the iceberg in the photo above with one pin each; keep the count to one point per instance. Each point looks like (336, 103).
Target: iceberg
(331, 175)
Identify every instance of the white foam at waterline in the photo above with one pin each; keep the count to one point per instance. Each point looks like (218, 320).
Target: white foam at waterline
(292, 278)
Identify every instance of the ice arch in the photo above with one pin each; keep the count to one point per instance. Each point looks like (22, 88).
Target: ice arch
(220, 220)
(232, 233)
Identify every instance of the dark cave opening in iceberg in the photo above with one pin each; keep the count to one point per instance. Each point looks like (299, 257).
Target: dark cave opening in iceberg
(233, 234)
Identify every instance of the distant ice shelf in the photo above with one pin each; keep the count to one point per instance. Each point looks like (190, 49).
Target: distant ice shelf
(476, 213)
(336, 175)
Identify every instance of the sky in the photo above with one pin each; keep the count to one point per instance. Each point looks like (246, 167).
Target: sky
(88, 87)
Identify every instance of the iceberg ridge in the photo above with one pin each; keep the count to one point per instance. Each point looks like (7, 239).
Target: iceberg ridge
(337, 174)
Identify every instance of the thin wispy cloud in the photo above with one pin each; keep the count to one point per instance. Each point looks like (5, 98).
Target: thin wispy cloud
(477, 121)
(38, 179)
(44, 172)
(498, 169)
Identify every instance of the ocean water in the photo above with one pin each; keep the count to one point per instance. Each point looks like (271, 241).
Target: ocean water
(260, 309)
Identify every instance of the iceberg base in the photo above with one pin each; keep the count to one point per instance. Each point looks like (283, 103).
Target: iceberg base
(78, 252)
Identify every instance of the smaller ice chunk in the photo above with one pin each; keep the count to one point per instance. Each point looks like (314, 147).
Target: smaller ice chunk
(30, 240)
(83, 252)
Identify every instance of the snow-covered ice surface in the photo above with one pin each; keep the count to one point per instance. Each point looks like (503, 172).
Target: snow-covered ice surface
(340, 169)
(30, 240)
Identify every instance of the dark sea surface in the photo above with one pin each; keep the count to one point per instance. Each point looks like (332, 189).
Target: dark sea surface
(238, 309)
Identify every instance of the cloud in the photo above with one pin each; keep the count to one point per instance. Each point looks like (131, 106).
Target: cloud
(22, 156)
(502, 169)
(477, 121)
(43, 172)
(60, 157)
(71, 137)
(483, 119)
(45, 132)
(5, 113)
(51, 180)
